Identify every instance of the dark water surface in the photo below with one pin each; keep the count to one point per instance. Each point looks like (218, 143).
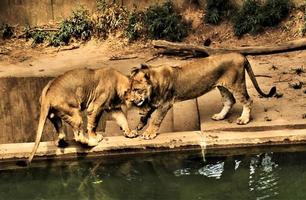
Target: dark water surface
(176, 176)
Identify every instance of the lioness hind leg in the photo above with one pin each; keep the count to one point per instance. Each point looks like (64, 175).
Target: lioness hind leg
(228, 102)
(58, 125)
(72, 116)
(245, 100)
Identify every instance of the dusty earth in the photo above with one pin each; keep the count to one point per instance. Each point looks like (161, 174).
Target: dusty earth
(287, 71)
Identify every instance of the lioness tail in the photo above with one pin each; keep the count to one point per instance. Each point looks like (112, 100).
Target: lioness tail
(44, 111)
(255, 83)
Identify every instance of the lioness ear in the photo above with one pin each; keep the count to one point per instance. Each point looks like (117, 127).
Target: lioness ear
(147, 75)
(144, 66)
(134, 71)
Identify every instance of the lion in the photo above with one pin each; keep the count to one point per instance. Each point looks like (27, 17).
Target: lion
(65, 97)
(157, 88)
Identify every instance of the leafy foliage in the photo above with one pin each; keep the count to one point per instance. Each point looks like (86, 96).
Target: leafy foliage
(248, 18)
(135, 28)
(39, 37)
(304, 26)
(163, 22)
(274, 11)
(253, 16)
(77, 26)
(216, 10)
(6, 31)
(108, 18)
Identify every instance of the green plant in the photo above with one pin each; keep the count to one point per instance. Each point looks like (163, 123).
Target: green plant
(163, 22)
(253, 16)
(63, 35)
(304, 25)
(216, 10)
(135, 27)
(109, 18)
(39, 37)
(6, 31)
(274, 11)
(248, 18)
(77, 26)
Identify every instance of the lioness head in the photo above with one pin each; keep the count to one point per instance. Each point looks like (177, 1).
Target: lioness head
(141, 88)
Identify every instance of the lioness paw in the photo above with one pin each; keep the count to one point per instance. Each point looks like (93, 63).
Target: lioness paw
(218, 117)
(131, 134)
(148, 135)
(94, 141)
(242, 121)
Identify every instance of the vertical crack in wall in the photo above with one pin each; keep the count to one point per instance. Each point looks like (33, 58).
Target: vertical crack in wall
(52, 9)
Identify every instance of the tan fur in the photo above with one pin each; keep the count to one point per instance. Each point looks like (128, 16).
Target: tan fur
(159, 87)
(83, 89)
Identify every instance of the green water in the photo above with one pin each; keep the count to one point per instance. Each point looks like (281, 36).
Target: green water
(176, 176)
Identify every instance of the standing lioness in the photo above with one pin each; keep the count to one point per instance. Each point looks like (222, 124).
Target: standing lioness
(158, 88)
(94, 90)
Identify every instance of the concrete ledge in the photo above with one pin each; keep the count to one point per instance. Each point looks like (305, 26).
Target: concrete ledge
(164, 142)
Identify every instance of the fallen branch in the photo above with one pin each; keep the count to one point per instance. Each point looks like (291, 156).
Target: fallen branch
(261, 75)
(175, 48)
(68, 48)
(122, 58)
(152, 58)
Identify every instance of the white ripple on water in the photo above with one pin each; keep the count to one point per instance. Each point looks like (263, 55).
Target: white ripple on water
(212, 170)
(263, 179)
(209, 170)
(237, 164)
(182, 172)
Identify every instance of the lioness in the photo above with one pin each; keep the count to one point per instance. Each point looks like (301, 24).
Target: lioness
(158, 88)
(94, 90)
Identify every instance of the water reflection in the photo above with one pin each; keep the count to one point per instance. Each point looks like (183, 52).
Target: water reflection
(212, 170)
(263, 176)
(177, 176)
(263, 179)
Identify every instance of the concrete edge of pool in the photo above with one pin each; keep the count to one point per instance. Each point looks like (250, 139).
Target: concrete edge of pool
(164, 142)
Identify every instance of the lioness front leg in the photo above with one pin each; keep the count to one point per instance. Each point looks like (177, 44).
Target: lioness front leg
(155, 121)
(121, 120)
(145, 115)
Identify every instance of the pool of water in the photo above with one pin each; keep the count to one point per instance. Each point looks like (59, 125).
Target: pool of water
(176, 175)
